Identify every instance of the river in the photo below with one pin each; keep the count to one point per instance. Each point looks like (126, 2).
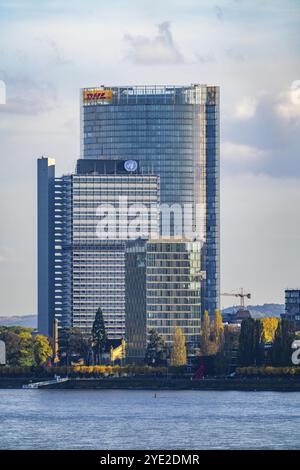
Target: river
(125, 419)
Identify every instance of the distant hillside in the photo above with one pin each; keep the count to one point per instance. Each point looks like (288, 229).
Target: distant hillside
(259, 311)
(29, 321)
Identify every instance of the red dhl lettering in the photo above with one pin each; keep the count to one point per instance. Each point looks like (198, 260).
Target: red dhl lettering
(97, 95)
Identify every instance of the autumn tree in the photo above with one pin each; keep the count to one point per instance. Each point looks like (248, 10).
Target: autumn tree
(41, 349)
(178, 351)
(26, 350)
(218, 329)
(99, 336)
(207, 347)
(269, 327)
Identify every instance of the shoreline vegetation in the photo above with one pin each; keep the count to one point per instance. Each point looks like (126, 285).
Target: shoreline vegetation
(282, 379)
(255, 384)
(256, 355)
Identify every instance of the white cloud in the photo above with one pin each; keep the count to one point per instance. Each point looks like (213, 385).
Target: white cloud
(246, 108)
(158, 50)
(288, 105)
(241, 153)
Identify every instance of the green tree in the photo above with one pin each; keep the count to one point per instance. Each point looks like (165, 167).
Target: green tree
(247, 343)
(26, 350)
(259, 343)
(73, 343)
(17, 329)
(42, 349)
(12, 342)
(225, 357)
(22, 349)
(157, 352)
(178, 351)
(99, 337)
(281, 352)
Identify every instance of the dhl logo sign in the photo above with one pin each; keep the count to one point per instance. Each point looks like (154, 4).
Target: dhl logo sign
(97, 95)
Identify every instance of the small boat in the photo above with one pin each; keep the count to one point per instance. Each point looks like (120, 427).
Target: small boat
(35, 385)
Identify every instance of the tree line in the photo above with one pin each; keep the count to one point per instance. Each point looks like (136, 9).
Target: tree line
(259, 342)
(23, 349)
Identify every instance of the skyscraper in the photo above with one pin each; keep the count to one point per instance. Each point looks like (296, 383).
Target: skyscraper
(45, 239)
(147, 144)
(85, 221)
(135, 321)
(173, 289)
(174, 132)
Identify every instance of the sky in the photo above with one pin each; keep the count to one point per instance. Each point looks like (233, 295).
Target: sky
(250, 48)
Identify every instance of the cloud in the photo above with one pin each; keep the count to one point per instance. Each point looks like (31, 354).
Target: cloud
(235, 55)
(205, 58)
(158, 50)
(270, 131)
(241, 153)
(288, 106)
(219, 12)
(24, 95)
(57, 55)
(246, 108)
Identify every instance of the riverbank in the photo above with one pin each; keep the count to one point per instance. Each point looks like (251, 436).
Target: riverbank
(278, 384)
(145, 383)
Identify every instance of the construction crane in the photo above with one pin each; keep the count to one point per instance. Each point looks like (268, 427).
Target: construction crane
(241, 294)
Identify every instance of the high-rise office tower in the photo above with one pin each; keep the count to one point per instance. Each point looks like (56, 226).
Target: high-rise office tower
(174, 132)
(45, 239)
(85, 221)
(135, 321)
(173, 289)
(163, 284)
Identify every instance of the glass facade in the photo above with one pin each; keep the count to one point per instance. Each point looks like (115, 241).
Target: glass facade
(174, 132)
(173, 289)
(135, 322)
(91, 265)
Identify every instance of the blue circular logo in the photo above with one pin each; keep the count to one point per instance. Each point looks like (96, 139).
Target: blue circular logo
(130, 165)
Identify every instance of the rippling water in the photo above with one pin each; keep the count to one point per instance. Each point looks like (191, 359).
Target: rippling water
(112, 419)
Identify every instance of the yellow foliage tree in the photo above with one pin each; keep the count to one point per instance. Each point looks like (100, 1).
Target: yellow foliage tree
(42, 349)
(178, 353)
(269, 327)
(218, 328)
